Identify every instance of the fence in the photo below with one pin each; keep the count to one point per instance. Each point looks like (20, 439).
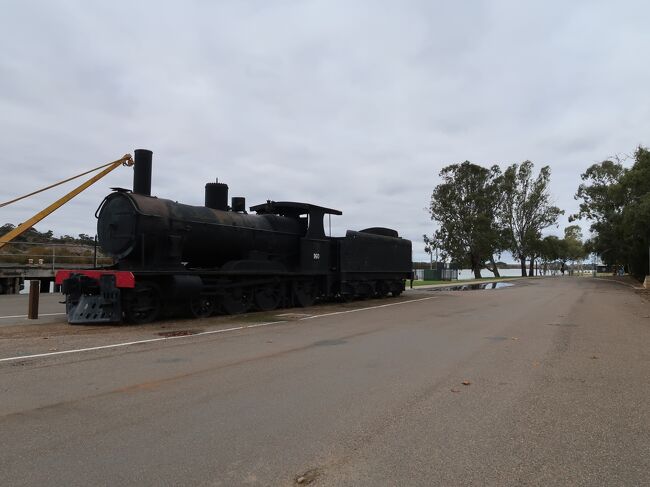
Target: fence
(440, 272)
(52, 255)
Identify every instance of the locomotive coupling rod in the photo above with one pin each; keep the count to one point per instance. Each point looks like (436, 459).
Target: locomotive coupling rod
(125, 160)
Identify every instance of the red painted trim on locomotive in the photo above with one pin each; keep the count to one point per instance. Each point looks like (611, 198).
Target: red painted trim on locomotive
(123, 279)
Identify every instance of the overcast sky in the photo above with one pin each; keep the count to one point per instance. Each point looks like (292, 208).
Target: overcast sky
(354, 105)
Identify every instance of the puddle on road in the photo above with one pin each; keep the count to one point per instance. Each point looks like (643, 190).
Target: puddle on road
(328, 343)
(292, 316)
(473, 287)
(171, 360)
(497, 339)
(178, 333)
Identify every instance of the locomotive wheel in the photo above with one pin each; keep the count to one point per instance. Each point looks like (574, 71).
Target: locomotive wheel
(382, 289)
(143, 304)
(304, 293)
(237, 300)
(396, 288)
(347, 292)
(202, 307)
(268, 297)
(364, 290)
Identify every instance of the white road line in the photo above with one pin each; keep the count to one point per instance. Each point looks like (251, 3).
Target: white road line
(366, 309)
(212, 332)
(138, 342)
(25, 316)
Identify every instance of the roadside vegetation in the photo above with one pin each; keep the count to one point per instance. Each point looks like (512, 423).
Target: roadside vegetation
(616, 201)
(482, 212)
(47, 247)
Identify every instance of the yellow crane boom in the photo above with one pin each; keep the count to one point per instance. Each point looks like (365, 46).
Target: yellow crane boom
(125, 160)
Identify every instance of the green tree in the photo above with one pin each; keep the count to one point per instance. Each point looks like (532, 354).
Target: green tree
(636, 214)
(603, 200)
(430, 246)
(86, 239)
(526, 209)
(574, 248)
(535, 249)
(550, 251)
(616, 200)
(6, 228)
(465, 206)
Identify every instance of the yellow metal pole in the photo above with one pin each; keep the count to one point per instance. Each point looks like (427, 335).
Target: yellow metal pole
(23, 227)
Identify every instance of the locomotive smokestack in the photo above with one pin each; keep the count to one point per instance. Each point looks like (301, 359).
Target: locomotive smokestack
(142, 172)
(216, 196)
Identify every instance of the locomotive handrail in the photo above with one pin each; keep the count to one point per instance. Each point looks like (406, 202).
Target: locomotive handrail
(100, 206)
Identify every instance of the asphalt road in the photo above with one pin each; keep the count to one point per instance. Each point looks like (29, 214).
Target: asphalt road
(558, 394)
(13, 309)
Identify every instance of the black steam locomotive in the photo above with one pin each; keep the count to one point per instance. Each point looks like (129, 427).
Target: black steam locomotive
(218, 258)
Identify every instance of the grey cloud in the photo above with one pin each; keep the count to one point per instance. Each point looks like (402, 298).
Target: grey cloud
(354, 105)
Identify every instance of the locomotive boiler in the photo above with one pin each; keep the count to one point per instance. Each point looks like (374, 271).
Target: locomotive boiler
(220, 258)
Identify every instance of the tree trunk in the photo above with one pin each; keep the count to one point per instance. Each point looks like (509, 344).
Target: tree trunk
(532, 266)
(477, 265)
(494, 268)
(522, 260)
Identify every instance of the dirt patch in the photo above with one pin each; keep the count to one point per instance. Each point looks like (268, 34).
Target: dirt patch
(644, 293)
(51, 330)
(308, 477)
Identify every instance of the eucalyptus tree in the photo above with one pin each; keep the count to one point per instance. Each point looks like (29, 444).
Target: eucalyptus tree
(574, 247)
(616, 200)
(636, 216)
(535, 249)
(551, 250)
(526, 209)
(431, 246)
(604, 198)
(465, 205)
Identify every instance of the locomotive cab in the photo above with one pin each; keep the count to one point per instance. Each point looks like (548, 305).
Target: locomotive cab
(315, 247)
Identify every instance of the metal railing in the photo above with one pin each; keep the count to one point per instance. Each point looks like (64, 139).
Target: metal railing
(52, 255)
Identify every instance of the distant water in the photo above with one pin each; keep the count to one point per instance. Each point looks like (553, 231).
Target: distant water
(465, 274)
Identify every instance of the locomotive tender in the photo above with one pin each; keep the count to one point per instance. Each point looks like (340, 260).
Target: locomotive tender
(219, 258)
